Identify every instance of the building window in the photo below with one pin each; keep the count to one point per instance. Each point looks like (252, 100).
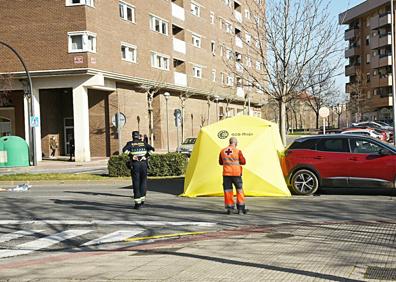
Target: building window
(367, 40)
(128, 52)
(159, 61)
(230, 80)
(212, 18)
(213, 47)
(228, 3)
(258, 65)
(195, 10)
(368, 58)
(197, 71)
(368, 77)
(127, 12)
(82, 41)
(248, 62)
(229, 54)
(80, 2)
(228, 27)
(158, 25)
(222, 78)
(196, 40)
(248, 38)
(214, 75)
(247, 13)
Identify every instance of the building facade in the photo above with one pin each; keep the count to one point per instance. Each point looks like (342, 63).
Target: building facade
(102, 69)
(369, 52)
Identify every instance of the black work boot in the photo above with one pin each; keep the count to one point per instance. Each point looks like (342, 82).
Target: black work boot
(142, 204)
(244, 211)
(228, 211)
(137, 206)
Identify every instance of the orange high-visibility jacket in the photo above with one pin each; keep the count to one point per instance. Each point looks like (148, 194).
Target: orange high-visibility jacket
(231, 159)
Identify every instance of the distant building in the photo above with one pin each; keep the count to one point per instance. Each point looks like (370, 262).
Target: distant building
(91, 59)
(370, 60)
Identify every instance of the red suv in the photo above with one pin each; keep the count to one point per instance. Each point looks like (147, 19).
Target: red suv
(338, 161)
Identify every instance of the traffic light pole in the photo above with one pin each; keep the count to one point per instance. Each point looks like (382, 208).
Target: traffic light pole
(29, 96)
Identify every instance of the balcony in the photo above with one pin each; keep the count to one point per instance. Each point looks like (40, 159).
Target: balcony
(178, 12)
(380, 41)
(381, 61)
(179, 45)
(380, 21)
(238, 16)
(351, 52)
(384, 81)
(180, 79)
(351, 33)
(350, 70)
(238, 42)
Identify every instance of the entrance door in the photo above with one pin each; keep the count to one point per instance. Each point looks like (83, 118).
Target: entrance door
(68, 124)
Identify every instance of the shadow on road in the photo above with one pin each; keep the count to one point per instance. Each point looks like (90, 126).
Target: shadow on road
(173, 186)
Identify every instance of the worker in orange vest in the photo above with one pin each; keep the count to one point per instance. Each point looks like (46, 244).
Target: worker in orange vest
(232, 160)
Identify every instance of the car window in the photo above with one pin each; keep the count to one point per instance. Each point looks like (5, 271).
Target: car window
(333, 145)
(309, 144)
(359, 133)
(361, 146)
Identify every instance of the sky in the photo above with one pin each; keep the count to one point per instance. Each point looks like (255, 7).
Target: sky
(337, 7)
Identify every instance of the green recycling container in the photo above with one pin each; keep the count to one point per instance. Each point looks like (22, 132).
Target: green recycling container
(14, 151)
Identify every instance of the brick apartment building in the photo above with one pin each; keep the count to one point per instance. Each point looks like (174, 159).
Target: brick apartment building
(90, 59)
(369, 52)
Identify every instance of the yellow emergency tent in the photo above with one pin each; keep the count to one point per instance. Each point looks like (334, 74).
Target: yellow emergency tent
(261, 145)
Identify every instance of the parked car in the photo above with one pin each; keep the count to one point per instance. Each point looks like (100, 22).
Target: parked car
(339, 160)
(383, 127)
(366, 132)
(187, 146)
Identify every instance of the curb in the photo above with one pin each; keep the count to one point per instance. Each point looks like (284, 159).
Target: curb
(60, 182)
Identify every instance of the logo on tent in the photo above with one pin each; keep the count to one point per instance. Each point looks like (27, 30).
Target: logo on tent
(223, 134)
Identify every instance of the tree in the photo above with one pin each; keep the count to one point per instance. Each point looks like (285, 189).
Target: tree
(288, 40)
(357, 88)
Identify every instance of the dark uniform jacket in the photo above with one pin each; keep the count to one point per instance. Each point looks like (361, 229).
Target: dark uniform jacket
(138, 150)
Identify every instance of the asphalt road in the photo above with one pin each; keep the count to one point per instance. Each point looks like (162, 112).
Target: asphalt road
(59, 218)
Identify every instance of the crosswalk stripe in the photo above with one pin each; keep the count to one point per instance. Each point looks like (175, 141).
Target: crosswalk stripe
(105, 222)
(41, 243)
(17, 234)
(118, 236)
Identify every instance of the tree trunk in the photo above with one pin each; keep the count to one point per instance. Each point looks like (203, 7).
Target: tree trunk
(317, 120)
(282, 121)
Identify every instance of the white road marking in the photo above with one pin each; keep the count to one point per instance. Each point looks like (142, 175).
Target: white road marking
(117, 236)
(105, 222)
(41, 243)
(17, 234)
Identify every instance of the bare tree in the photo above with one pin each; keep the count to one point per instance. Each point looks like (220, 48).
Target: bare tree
(287, 39)
(357, 88)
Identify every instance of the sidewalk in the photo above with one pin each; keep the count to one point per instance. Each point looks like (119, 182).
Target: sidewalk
(95, 166)
(343, 251)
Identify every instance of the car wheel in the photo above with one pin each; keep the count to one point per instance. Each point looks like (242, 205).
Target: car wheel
(304, 182)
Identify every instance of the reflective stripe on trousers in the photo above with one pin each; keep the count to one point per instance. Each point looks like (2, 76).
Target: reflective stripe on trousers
(229, 199)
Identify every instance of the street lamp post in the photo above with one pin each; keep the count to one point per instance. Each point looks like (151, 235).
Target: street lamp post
(166, 95)
(393, 72)
(29, 96)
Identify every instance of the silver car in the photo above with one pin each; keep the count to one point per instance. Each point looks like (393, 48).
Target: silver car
(187, 146)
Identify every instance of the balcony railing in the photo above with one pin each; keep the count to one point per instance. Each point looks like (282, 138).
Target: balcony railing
(179, 45)
(380, 20)
(351, 33)
(178, 12)
(180, 79)
(351, 52)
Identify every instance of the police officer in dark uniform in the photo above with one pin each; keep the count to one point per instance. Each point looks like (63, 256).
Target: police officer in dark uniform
(139, 152)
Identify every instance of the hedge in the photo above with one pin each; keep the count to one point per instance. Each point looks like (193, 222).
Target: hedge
(171, 164)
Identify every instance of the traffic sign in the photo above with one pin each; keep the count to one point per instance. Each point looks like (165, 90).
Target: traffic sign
(324, 112)
(34, 121)
(178, 117)
(118, 119)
